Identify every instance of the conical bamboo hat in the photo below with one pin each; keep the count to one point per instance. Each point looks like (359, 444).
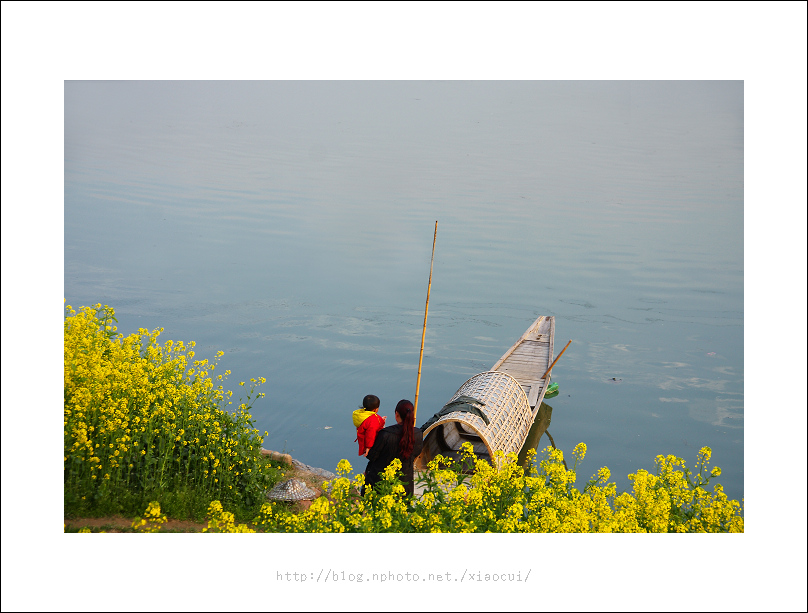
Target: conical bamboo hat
(292, 489)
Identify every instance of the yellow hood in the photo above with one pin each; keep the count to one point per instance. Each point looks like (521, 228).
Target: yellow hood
(361, 415)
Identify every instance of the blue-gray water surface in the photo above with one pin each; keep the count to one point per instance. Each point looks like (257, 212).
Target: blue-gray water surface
(290, 225)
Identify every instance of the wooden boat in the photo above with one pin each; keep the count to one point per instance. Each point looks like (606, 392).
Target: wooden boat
(496, 408)
(529, 359)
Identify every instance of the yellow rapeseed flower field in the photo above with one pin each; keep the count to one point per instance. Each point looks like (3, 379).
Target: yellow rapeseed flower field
(504, 497)
(143, 419)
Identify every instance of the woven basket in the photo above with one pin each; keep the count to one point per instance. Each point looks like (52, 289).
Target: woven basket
(508, 412)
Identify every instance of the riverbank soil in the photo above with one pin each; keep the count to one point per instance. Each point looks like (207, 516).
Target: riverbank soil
(117, 524)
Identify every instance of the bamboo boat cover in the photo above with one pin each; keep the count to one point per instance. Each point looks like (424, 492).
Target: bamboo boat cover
(508, 395)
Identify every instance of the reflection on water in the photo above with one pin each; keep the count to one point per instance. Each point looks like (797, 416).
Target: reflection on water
(539, 427)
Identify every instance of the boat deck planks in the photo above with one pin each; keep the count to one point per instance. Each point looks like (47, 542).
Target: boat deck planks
(529, 358)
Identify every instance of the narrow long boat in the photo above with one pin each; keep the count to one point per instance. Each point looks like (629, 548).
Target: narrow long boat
(494, 410)
(529, 359)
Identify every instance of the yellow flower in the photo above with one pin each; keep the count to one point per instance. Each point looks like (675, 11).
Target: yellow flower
(343, 467)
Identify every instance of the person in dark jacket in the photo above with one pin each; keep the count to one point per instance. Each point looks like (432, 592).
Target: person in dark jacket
(403, 441)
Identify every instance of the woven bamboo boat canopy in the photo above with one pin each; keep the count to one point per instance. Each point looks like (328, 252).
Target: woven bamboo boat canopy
(503, 402)
(494, 410)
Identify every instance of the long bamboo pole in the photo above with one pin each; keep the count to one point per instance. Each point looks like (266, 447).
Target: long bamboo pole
(423, 333)
(557, 359)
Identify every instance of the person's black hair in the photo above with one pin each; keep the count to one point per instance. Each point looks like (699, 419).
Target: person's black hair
(371, 402)
(406, 411)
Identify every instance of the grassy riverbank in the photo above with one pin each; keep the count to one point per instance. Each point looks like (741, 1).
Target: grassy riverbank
(190, 522)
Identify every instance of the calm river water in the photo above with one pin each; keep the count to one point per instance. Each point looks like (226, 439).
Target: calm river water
(290, 225)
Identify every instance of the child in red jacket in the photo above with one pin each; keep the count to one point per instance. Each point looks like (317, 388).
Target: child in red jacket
(368, 422)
